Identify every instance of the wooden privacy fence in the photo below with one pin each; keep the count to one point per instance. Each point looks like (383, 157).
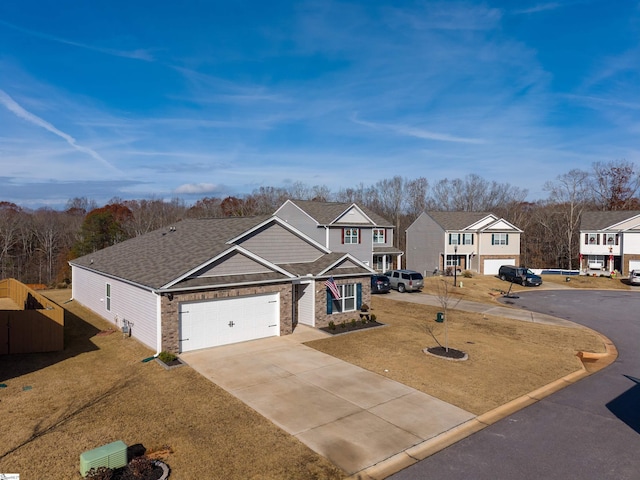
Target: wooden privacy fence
(36, 326)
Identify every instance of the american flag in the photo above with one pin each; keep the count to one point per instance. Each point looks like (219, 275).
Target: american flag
(333, 287)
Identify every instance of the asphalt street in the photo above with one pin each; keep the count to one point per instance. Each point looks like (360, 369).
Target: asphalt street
(589, 430)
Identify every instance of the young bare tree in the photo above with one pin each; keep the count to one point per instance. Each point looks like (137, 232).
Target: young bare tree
(448, 301)
(10, 219)
(47, 231)
(570, 194)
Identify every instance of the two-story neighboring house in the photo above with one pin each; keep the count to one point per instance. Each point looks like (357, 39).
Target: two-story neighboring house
(476, 241)
(345, 227)
(610, 241)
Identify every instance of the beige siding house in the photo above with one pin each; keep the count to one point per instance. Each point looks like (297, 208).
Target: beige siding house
(476, 241)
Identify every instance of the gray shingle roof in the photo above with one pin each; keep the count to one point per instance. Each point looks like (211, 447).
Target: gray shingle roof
(601, 220)
(326, 212)
(158, 257)
(457, 220)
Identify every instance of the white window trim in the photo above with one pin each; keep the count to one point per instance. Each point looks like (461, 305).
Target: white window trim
(354, 234)
(107, 297)
(339, 304)
(500, 239)
(382, 235)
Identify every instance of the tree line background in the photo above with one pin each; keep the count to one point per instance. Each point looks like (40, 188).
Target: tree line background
(35, 245)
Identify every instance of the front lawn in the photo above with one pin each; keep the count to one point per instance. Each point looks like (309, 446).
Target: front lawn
(57, 405)
(507, 358)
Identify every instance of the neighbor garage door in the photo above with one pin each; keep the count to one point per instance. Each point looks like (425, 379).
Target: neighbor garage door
(220, 322)
(491, 266)
(634, 265)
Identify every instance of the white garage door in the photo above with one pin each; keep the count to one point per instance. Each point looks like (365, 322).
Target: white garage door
(634, 265)
(491, 266)
(230, 320)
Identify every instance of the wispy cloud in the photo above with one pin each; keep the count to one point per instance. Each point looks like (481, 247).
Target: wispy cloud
(139, 54)
(542, 7)
(416, 132)
(11, 105)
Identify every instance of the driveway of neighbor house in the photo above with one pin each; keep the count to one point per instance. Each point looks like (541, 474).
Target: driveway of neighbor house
(353, 417)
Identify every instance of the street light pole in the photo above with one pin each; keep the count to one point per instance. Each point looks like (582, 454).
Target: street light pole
(455, 265)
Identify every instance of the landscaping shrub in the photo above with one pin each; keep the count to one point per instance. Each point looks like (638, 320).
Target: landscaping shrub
(167, 357)
(332, 325)
(467, 274)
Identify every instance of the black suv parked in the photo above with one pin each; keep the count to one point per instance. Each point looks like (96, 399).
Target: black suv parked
(521, 275)
(380, 284)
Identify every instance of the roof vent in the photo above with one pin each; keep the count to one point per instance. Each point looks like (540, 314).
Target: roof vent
(172, 229)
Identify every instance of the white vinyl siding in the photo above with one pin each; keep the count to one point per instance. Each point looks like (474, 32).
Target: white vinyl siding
(306, 304)
(128, 302)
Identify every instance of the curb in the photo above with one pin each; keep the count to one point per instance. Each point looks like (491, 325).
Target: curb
(412, 455)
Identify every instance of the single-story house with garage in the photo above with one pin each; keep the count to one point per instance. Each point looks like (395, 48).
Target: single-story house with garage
(477, 241)
(208, 282)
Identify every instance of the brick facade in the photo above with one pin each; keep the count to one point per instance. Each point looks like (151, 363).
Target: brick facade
(171, 318)
(322, 317)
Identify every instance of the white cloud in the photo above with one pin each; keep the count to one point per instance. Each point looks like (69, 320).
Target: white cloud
(196, 189)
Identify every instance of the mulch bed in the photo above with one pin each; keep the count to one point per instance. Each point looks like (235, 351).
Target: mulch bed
(450, 354)
(350, 327)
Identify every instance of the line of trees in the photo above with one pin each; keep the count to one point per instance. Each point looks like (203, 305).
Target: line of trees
(36, 245)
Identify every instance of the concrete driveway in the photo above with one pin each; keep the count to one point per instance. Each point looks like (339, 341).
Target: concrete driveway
(353, 417)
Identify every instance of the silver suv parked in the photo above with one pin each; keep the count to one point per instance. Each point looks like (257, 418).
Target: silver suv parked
(405, 280)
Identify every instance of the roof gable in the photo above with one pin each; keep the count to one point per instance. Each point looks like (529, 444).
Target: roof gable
(353, 215)
(502, 225)
(327, 213)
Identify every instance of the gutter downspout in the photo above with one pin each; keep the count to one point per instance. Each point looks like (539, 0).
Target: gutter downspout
(158, 324)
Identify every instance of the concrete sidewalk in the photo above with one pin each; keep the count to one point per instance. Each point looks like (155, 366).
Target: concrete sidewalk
(485, 308)
(353, 417)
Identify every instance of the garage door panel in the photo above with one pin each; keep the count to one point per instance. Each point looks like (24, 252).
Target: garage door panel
(492, 265)
(221, 322)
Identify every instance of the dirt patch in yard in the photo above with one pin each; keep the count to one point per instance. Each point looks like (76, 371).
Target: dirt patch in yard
(507, 358)
(98, 390)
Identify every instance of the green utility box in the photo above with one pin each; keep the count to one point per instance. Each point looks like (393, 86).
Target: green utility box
(440, 317)
(112, 455)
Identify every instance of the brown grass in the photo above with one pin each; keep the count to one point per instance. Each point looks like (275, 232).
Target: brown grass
(486, 289)
(58, 405)
(98, 390)
(507, 358)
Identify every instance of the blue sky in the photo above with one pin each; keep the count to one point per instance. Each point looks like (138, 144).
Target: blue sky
(143, 99)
